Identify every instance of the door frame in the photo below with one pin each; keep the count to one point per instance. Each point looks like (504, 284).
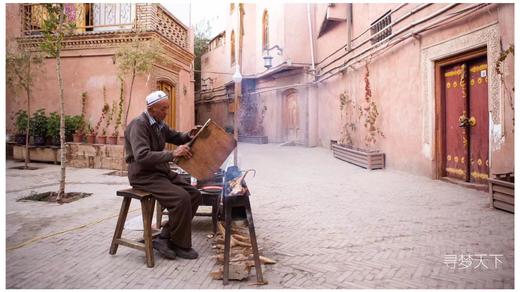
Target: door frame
(173, 101)
(285, 117)
(172, 115)
(440, 151)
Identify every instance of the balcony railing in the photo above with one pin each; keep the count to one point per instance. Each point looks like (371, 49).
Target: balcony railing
(110, 17)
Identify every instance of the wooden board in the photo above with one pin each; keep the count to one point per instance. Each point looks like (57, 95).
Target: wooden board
(210, 149)
(502, 194)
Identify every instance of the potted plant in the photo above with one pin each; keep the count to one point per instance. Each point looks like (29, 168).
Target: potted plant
(21, 127)
(111, 139)
(71, 125)
(53, 129)
(39, 127)
(101, 139)
(91, 137)
(77, 137)
(76, 128)
(119, 117)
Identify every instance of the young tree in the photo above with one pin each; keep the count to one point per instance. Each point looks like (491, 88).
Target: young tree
(132, 59)
(54, 29)
(20, 73)
(135, 58)
(200, 45)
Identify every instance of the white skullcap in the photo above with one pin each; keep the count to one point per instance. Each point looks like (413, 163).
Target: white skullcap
(155, 97)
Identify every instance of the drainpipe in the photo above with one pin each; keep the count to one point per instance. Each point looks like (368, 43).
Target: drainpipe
(311, 106)
(310, 36)
(349, 28)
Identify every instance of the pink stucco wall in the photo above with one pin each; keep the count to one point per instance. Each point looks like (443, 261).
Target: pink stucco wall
(401, 77)
(397, 87)
(89, 70)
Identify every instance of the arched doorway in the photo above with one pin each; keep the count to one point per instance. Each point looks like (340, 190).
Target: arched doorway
(291, 116)
(169, 89)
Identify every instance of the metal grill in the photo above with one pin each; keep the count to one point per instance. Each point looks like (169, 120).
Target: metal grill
(381, 28)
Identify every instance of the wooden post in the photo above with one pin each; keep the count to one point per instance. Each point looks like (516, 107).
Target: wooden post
(238, 89)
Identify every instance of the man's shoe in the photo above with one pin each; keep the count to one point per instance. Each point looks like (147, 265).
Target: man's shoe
(185, 253)
(161, 245)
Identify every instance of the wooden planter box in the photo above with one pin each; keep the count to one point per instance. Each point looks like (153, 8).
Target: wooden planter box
(253, 139)
(502, 192)
(369, 160)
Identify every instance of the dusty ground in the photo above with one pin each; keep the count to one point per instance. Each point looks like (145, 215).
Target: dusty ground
(329, 224)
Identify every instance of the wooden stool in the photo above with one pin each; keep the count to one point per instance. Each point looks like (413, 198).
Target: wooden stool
(147, 207)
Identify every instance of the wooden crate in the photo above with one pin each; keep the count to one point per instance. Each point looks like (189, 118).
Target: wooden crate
(365, 159)
(502, 192)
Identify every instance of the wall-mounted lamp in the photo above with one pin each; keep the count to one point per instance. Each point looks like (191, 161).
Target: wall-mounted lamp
(205, 84)
(268, 60)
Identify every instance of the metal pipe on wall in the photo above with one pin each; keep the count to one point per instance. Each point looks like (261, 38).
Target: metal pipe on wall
(393, 36)
(361, 34)
(347, 63)
(415, 10)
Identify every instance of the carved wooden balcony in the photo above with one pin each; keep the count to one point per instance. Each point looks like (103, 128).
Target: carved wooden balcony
(105, 24)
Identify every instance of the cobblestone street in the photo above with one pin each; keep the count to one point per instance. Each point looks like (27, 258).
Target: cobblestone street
(327, 223)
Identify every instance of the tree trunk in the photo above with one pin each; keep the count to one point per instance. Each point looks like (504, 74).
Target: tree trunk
(28, 91)
(61, 190)
(129, 97)
(126, 115)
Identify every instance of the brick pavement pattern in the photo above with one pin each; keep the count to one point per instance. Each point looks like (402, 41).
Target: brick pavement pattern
(329, 224)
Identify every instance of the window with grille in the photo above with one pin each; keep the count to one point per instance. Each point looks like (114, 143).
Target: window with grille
(265, 30)
(381, 29)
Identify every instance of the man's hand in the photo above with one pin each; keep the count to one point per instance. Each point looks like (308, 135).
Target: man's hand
(182, 151)
(194, 131)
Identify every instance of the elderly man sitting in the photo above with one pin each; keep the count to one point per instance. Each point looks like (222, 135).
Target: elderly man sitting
(149, 170)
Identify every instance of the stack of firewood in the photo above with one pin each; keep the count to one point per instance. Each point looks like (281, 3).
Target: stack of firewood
(241, 253)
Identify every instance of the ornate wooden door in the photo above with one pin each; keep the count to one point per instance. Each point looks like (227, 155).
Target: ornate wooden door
(466, 120)
(478, 121)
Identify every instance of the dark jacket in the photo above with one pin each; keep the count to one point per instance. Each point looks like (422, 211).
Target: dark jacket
(144, 146)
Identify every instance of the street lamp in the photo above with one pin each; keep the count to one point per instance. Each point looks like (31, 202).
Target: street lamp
(268, 60)
(237, 78)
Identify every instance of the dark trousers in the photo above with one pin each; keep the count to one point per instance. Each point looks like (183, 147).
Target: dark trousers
(180, 198)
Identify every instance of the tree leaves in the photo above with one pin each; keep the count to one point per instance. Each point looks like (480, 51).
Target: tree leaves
(138, 56)
(367, 113)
